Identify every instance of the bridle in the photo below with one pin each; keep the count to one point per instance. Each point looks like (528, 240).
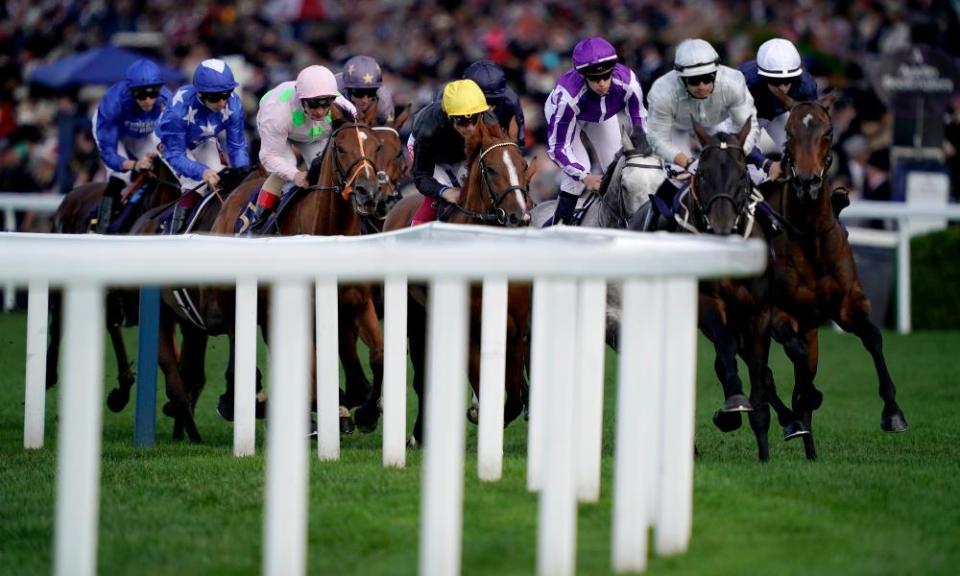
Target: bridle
(349, 174)
(495, 214)
(808, 187)
(742, 199)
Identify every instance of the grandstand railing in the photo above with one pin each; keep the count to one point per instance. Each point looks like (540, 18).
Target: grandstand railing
(569, 269)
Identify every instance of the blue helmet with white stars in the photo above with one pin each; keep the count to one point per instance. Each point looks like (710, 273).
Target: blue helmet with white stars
(213, 75)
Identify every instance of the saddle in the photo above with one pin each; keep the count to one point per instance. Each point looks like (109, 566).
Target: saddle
(131, 198)
(287, 194)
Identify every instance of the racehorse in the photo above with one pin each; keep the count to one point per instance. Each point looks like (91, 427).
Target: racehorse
(77, 215)
(628, 182)
(495, 193)
(346, 190)
(815, 275)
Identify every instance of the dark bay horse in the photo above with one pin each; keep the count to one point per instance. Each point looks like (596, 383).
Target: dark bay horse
(347, 190)
(495, 193)
(77, 215)
(816, 278)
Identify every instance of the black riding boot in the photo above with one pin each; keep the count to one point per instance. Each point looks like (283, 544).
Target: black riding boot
(258, 220)
(110, 204)
(179, 219)
(566, 203)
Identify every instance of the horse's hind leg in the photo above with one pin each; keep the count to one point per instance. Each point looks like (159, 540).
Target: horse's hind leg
(192, 363)
(857, 321)
(176, 391)
(55, 312)
(119, 397)
(367, 415)
(806, 398)
(756, 352)
(356, 387)
(417, 334)
(792, 427)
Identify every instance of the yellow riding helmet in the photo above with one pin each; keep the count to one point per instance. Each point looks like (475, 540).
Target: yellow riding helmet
(463, 98)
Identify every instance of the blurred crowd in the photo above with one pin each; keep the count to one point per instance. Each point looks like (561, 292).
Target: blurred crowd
(424, 43)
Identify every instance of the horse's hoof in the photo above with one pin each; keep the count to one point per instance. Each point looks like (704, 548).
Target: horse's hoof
(169, 410)
(225, 409)
(793, 430)
(895, 422)
(366, 419)
(412, 442)
(473, 414)
(347, 426)
(737, 403)
(313, 434)
(261, 409)
(118, 398)
(727, 421)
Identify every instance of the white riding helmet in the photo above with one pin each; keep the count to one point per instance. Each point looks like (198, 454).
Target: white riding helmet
(695, 57)
(778, 58)
(316, 82)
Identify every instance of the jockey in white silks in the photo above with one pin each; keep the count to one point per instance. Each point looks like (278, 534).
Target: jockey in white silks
(597, 96)
(293, 113)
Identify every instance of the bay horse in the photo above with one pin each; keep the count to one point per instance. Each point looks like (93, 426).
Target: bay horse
(77, 215)
(495, 193)
(346, 190)
(815, 277)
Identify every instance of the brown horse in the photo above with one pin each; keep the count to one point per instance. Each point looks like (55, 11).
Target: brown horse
(815, 275)
(495, 193)
(347, 190)
(77, 215)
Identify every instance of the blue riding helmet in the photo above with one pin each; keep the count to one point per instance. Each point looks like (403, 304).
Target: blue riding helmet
(362, 72)
(213, 75)
(489, 77)
(144, 73)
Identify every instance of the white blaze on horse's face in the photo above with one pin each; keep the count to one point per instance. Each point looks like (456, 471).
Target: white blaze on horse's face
(807, 120)
(514, 180)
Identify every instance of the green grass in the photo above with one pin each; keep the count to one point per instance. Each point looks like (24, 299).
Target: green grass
(873, 503)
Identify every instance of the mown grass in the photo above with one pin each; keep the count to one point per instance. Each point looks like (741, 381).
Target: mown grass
(874, 503)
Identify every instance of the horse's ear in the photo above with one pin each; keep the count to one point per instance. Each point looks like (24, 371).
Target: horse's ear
(339, 117)
(828, 99)
(401, 117)
(702, 134)
(784, 98)
(745, 131)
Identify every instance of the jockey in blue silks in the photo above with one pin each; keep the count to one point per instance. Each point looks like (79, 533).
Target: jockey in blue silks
(123, 130)
(597, 96)
(188, 131)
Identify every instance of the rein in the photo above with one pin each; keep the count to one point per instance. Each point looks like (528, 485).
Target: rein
(361, 163)
(496, 214)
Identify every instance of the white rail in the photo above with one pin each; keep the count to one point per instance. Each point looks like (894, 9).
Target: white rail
(567, 267)
(13, 202)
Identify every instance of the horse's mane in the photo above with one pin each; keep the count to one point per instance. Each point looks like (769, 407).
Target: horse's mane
(641, 147)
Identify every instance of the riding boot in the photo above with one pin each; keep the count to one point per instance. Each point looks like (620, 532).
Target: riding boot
(180, 211)
(566, 204)
(258, 220)
(110, 204)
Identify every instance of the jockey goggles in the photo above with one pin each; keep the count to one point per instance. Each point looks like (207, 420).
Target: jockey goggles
(779, 81)
(468, 120)
(701, 79)
(363, 92)
(146, 92)
(599, 76)
(215, 96)
(319, 102)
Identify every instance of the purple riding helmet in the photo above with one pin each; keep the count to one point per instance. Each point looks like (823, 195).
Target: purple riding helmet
(362, 72)
(594, 56)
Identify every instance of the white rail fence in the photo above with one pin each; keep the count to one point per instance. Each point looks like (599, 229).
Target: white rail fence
(569, 269)
(13, 202)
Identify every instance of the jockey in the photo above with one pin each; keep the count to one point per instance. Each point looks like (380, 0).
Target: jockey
(188, 131)
(123, 129)
(439, 134)
(595, 97)
(777, 67)
(294, 112)
(362, 82)
(503, 101)
(700, 88)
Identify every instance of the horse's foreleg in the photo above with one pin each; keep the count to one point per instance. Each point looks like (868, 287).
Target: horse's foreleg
(357, 386)
(119, 397)
(792, 427)
(169, 364)
(806, 398)
(855, 318)
(368, 325)
(417, 335)
(515, 395)
(191, 370)
(55, 311)
(756, 352)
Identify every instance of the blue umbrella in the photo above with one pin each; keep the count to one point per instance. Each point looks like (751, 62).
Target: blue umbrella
(103, 65)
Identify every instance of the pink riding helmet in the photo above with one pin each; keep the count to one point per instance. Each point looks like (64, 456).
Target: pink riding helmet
(315, 82)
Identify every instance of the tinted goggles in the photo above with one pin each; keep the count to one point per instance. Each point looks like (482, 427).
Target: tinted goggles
(215, 96)
(701, 79)
(779, 81)
(469, 120)
(320, 102)
(146, 92)
(364, 92)
(599, 76)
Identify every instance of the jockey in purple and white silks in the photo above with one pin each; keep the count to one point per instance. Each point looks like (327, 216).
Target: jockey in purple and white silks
(123, 130)
(188, 131)
(596, 97)
(698, 87)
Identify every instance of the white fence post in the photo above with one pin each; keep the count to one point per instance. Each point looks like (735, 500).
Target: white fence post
(590, 348)
(441, 512)
(285, 517)
(34, 405)
(328, 369)
(78, 453)
(245, 368)
(395, 372)
(9, 289)
(675, 514)
(539, 336)
(493, 356)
